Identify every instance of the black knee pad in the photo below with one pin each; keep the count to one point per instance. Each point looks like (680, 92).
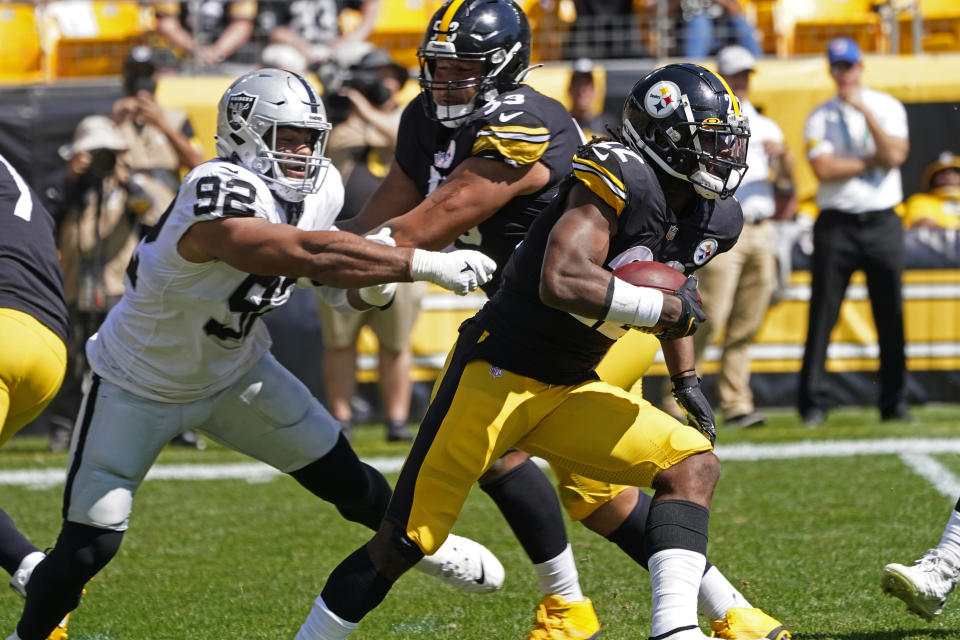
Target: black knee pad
(358, 491)
(677, 524)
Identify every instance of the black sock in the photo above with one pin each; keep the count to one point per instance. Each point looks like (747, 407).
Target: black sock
(677, 524)
(14, 546)
(528, 502)
(57, 583)
(355, 587)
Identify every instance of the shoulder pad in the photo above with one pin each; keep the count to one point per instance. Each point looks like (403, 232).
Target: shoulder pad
(220, 189)
(599, 166)
(512, 132)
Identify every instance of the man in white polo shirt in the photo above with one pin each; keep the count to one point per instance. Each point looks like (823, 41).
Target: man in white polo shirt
(856, 142)
(736, 286)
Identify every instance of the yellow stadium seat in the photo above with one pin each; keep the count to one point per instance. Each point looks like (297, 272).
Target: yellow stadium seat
(940, 26)
(21, 56)
(806, 26)
(92, 39)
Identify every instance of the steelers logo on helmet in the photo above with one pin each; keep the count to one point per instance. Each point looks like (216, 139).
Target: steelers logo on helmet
(662, 99)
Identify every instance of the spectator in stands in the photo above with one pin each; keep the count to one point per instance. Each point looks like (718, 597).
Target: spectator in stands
(97, 209)
(213, 31)
(362, 147)
(708, 25)
(307, 34)
(736, 286)
(855, 143)
(160, 140)
(939, 204)
(583, 96)
(605, 29)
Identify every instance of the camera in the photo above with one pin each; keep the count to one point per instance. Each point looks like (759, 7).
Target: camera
(102, 162)
(363, 79)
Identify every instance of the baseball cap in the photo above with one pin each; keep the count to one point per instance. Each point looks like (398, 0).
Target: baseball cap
(843, 50)
(733, 59)
(583, 67)
(94, 132)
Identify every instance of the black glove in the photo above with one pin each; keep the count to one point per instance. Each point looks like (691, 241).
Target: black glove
(687, 392)
(691, 316)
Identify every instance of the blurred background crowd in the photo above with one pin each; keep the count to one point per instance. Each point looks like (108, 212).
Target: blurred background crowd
(104, 106)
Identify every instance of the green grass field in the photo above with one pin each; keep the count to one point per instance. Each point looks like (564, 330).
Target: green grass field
(804, 538)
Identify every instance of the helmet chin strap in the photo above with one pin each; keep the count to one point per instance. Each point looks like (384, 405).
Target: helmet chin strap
(454, 115)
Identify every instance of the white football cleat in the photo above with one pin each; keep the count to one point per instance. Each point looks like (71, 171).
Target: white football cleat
(20, 577)
(464, 564)
(924, 586)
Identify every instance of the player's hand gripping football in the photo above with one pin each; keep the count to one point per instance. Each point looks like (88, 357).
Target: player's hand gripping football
(689, 395)
(459, 271)
(691, 314)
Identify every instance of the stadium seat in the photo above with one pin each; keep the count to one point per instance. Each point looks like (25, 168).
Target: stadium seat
(92, 38)
(21, 56)
(940, 25)
(806, 26)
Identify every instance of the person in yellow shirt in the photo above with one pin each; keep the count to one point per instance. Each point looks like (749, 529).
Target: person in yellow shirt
(939, 204)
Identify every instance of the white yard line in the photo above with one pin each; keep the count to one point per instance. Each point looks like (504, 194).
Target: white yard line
(942, 479)
(915, 452)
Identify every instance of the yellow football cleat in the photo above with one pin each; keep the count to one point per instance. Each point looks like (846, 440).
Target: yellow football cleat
(60, 633)
(558, 619)
(741, 623)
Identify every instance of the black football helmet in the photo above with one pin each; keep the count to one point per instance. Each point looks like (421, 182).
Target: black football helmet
(493, 31)
(685, 119)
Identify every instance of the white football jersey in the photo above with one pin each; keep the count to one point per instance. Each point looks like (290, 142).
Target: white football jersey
(182, 330)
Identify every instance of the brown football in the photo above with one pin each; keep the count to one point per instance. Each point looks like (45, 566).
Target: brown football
(655, 275)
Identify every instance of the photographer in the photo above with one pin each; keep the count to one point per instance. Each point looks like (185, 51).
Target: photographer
(160, 141)
(98, 209)
(362, 147)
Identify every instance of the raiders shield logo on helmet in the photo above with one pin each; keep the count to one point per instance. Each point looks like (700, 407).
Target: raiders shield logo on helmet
(239, 108)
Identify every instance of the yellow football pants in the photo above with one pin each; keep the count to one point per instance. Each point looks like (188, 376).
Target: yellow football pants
(32, 364)
(480, 411)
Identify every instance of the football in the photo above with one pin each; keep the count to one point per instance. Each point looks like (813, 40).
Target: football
(655, 275)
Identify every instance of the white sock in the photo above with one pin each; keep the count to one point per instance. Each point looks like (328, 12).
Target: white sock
(675, 580)
(951, 535)
(323, 624)
(717, 595)
(559, 577)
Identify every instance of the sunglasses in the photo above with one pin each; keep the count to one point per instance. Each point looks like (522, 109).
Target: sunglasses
(839, 67)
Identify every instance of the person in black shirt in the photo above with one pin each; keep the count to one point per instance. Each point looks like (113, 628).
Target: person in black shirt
(33, 335)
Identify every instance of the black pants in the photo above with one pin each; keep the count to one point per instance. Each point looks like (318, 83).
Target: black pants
(843, 243)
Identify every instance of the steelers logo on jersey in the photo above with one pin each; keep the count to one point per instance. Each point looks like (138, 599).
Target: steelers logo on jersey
(705, 250)
(662, 99)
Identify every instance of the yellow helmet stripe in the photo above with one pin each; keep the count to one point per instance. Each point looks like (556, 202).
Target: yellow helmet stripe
(448, 18)
(733, 98)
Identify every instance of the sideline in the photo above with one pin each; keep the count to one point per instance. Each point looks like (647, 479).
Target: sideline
(916, 453)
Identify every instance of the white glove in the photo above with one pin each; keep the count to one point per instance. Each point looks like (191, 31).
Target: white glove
(459, 271)
(379, 295)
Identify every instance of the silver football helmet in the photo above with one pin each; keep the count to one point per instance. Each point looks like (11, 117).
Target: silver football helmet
(250, 112)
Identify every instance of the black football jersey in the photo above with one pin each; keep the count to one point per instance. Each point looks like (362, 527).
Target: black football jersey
(533, 339)
(519, 127)
(30, 276)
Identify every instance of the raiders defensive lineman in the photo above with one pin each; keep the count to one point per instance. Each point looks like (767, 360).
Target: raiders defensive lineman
(185, 348)
(479, 156)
